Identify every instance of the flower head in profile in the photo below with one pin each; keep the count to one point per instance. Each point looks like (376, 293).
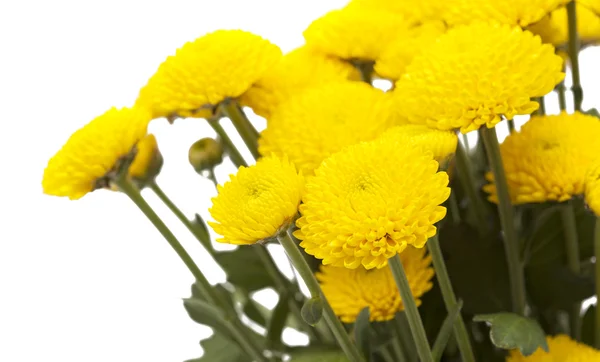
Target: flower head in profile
(322, 120)
(369, 201)
(593, 5)
(441, 144)
(219, 65)
(547, 160)
(561, 349)
(592, 188)
(415, 12)
(351, 290)
(258, 202)
(408, 43)
(297, 70)
(354, 33)
(553, 28)
(148, 160)
(83, 164)
(476, 74)
(510, 12)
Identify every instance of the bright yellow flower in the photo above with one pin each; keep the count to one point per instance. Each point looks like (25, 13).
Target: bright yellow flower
(441, 144)
(510, 12)
(593, 5)
(553, 28)
(351, 290)
(258, 202)
(148, 160)
(297, 70)
(547, 160)
(473, 75)
(82, 164)
(407, 44)
(415, 12)
(592, 188)
(203, 73)
(322, 120)
(354, 33)
(561, 349)
(368, 202)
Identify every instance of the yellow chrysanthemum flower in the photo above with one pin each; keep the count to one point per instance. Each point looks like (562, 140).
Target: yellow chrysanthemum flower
(203, 73)
(475, 74)
(257, 202)
(148, 160)
(415, 12)
(441, 144)
(593, 5)
(297, 70)
(351, 290)
(368, 202)
(82, 164)
(554, 28)
(592, 188)
(510, 12)
(322, 120)
(407, 44)
(561, 349)
(354, 33)
(547, 160)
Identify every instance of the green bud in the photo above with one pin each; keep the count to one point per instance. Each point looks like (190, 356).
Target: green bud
(312, 310)
(205, 154)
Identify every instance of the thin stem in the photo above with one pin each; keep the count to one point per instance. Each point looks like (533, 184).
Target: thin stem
(465, 174)
(511, 125)
(573, 50)
(284, 285)
(460, 330)
(233, 325)
(212, 176)
(597, 269)
(511, 243)
(573, 261)
(445, 333)
(542, 110)
(403, 336)
(410, 307)
(387, 356)
(562, 95)
(454, 209)
(311, 282)
(232, 151)
(242, 124)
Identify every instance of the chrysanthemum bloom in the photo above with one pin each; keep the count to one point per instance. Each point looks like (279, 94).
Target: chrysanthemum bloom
(593, 5)
(258, 202)
(203, 73)
(415, 12)
(351, 290)
(475, 74)
(408, 44)
(369, 201)
(148, 160)
(297, 70)
(441, 144)
(510, 12)
(561, 349)
(354, 33)
(592, 188)
(554, 28)
(91, 153)
(322, 120)
(547, 160)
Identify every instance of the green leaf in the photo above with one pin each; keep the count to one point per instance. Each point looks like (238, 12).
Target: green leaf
(220, 349)
(244, 268)
(201, 230)
(362, 332)
(256, 312)
(510, 331)
(592, 112)
(312, 310)
(219, 289)
(204, 313)
(318, 354)
(277, 322)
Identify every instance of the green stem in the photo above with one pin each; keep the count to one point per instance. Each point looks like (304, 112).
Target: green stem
(212, 176)
(454, 209)
(511, 125)
(542, 110)
(573, 261)
(234, 325)
(597, 274)
(403, 337)
(284, 286)
(311, 282)
(445, 333)
(511, 242)
(460, 330)
(561, 90)
(467, 178)
(232, 151)
(366, 69)
(410, 307)
(573, 50)
(242, 124)
(387, 356)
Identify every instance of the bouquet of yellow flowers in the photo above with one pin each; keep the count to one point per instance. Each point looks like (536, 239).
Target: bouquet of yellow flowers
(417, 234)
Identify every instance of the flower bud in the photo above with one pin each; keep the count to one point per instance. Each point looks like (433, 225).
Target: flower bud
(205, 154)
(147, 163)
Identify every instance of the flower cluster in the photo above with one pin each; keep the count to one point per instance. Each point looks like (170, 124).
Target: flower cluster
(553, 28)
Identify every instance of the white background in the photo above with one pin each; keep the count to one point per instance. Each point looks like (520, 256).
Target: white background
(91, 280)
